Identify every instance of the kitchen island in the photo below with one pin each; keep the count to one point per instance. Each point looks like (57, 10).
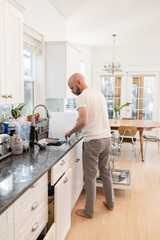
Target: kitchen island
(19, 173)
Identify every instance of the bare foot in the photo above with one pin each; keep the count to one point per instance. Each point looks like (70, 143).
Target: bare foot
(104, 202)
(81, 213)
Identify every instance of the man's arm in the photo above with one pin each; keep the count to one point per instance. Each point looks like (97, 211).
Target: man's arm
(81, 122)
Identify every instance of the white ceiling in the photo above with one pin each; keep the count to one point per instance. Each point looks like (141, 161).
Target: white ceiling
(92, 22)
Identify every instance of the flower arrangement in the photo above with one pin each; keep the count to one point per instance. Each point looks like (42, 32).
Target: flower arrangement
(117, 109)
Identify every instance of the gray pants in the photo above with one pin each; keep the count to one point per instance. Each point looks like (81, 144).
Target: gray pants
(96, 155)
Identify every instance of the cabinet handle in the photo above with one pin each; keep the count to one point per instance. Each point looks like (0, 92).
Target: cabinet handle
(62, 163)
(65, 180)
(10, 96)
(77, 160)
(35, 226)
(34, 185)
(35, 204)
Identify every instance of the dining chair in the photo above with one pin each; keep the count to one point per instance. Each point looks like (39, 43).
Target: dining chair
(151, 139)
(127, 134)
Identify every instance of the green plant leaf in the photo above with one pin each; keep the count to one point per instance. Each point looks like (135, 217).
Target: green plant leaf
(117, 109)
(114, 107)
(16, 111)
(125, 105)
(21, 105)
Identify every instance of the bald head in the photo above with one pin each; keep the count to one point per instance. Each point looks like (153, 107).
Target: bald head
(74, 78)
(77, 83)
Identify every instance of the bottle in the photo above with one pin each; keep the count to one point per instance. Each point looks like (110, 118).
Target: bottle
(5, 127)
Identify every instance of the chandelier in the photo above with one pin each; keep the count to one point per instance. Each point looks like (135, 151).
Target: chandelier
(113, 66)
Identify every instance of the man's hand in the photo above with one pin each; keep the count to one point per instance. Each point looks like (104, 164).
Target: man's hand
(68, 134)
(81, 122)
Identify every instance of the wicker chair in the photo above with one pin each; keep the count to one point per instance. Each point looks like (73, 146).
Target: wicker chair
(128, 134)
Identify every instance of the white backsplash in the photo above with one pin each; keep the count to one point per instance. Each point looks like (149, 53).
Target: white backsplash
(60, 123)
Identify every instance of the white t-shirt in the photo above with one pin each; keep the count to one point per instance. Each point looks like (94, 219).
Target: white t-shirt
(98, 124)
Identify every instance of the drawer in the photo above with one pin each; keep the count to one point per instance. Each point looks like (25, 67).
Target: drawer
(34, 230)
(6, 219)
(9, 233)
(51, 233)
(25, 202)
(59, 169)
(29, 216)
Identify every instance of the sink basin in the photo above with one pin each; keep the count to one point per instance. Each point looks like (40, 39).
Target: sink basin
(54, 142)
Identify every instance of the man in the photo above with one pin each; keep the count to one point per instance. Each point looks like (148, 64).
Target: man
(93, 121)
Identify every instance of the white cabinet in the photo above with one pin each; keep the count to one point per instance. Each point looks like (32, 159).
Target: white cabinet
(62, 60)
(51, 233)
(6, 223)
(31, 211)
(11, 48)
(77, 172)
(63, 206)
(61, 177)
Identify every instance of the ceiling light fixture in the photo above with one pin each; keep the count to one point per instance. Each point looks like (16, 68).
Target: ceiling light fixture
(113, 66)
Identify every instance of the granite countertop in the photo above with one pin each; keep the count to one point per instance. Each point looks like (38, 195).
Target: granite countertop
(19, 172)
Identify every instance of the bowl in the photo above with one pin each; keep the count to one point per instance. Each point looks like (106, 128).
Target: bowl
(42, 146)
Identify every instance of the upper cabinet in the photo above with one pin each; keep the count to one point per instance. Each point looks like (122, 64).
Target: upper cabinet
(11, 48)
(62, 60)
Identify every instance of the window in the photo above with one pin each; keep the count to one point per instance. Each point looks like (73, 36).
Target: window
(111, 89)
(142, 97)
(29, 80)
(33, 46)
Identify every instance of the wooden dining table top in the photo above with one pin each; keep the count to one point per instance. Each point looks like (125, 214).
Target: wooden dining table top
(140, 124)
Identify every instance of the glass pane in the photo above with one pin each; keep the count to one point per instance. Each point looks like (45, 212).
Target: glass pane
(111, 89)
(142, 97)
(28, 96)
(28, 58)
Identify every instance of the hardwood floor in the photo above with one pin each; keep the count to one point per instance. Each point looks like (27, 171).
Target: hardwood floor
(136, 215)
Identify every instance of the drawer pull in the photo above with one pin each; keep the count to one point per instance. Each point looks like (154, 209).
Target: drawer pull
(34, 185)
(35, 226)
(35, 204)
(62, 163)
(65, 180)
(10, 96)
(77, 160)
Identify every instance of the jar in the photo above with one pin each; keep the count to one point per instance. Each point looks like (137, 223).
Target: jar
(17, 145)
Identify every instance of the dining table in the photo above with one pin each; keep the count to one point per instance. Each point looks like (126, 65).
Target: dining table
(141, 125)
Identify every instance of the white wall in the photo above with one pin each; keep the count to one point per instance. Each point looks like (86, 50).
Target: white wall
(135, 55)
(42, 17)
(86, 57)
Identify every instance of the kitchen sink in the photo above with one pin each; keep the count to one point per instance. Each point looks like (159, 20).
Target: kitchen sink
(54, 142)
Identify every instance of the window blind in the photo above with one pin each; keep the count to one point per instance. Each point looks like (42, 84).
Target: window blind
(33, 41)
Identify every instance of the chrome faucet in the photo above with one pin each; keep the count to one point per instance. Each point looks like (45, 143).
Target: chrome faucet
(33, 131)
(33, 113)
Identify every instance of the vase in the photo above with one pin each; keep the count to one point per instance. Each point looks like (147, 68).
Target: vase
(116, 118)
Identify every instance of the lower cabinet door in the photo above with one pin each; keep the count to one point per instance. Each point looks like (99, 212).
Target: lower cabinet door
(9, 235)
(51, 233)
(62, 210)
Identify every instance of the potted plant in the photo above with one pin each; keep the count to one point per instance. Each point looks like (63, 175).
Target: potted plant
(29, 118)
(117, 109)
(16, 112)
(37, 117)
